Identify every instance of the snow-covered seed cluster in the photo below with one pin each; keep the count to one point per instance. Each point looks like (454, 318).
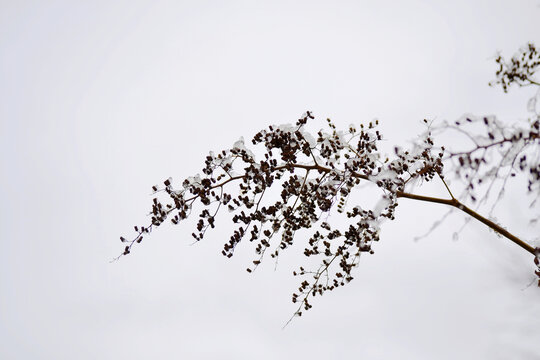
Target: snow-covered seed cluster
(497, 153)
(315, 175)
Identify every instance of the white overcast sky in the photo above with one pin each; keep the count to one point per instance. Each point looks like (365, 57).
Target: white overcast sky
(100, 100)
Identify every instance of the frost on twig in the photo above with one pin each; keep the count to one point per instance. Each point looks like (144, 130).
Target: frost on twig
(495, 153)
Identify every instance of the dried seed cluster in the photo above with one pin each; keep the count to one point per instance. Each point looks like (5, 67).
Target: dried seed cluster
(519, 70)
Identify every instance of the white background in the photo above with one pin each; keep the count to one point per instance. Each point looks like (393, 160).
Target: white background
(100, 100)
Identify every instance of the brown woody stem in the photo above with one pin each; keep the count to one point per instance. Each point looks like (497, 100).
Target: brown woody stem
(455, 203)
